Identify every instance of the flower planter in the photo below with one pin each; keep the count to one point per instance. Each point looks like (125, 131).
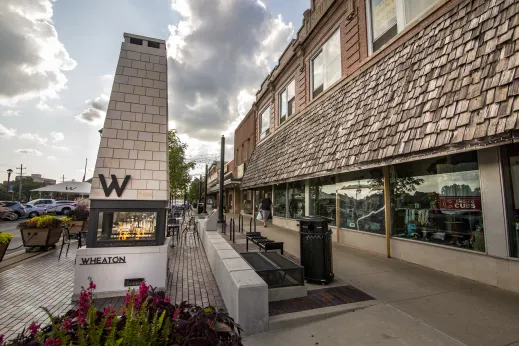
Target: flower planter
(40, 237)
(3, 250)
(76, 226)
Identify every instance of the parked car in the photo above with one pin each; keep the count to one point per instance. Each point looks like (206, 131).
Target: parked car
(62, 207)
(17, 208)
(35, 210)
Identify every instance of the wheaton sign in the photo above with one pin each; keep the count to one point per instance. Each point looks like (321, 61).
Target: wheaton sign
(102, 260)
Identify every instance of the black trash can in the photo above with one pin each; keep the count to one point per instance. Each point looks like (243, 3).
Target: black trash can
(316, 249)
(200, 208)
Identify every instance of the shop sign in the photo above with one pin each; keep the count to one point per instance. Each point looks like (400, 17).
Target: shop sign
(102, 260)
(460, 203)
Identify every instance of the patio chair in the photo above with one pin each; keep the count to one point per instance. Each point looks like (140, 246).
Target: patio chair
(65, 240)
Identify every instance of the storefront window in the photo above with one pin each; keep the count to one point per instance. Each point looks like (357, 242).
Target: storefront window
(296, 200)
(361, 198)
(247, 201)
(280, 200)
(323, 198)
(439, 201)
(129, 227)
(511, 174)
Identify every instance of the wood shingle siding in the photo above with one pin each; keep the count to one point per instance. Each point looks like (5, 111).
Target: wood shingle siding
(454, 84)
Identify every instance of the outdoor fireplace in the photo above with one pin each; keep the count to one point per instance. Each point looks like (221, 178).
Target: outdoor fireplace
(129, 193)
(126, 223)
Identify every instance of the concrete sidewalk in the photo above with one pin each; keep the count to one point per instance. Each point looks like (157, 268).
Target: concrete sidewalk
(417, 305)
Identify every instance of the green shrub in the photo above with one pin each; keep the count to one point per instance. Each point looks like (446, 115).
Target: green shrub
(5, 238)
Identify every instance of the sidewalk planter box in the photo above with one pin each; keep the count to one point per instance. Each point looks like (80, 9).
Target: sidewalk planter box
(76, 226)
(3, 249)
(40, 237)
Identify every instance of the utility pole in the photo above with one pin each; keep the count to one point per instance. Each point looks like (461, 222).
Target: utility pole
(63, 178)
(21, 168)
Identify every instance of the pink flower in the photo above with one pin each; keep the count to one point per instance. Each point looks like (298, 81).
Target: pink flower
(176, 313)
(211, 324)
(156, 300)
(33, 328)
(167, 300)
(92, 286)
(67, 325)
(53, 342)
(2, 337)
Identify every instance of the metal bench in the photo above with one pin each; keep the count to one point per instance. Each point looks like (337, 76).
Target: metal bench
(263, 242)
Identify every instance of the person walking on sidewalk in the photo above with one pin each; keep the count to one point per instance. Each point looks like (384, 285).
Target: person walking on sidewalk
(266, 206)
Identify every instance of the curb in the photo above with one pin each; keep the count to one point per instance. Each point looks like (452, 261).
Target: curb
(296, 319)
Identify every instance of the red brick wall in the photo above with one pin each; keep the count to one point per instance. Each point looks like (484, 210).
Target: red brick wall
(243, 132)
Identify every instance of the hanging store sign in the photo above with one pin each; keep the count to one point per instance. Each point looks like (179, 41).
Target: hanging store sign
(471, 203)
(102, 260)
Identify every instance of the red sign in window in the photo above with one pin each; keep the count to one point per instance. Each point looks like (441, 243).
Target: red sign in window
(460, 203)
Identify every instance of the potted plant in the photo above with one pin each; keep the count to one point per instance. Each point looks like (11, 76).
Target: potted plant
(77, 219)
(41, 231)
(5, 239)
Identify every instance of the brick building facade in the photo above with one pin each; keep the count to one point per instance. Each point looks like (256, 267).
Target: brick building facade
(397, 120)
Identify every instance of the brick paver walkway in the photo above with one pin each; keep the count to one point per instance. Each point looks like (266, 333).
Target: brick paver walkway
(190, 277)
(45, 281)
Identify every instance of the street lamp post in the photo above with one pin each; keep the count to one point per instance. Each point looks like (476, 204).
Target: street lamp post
(9, 172)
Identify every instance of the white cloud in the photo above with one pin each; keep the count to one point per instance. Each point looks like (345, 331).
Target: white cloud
(33, 66)
(57, 136)
(96, 111)
(219, 54)
(29, 152)
(6, 133)
(34, 137)
(11, 113)
(52, 158)
(60, 147)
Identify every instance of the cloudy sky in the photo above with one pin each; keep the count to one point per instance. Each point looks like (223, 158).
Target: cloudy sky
(58, 59)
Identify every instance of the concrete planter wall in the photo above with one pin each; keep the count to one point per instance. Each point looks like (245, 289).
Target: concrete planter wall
(40, 237)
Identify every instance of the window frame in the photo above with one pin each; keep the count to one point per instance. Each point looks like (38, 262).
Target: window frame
(400, 22)
(315, 55)
(267, 131)
(280, 103)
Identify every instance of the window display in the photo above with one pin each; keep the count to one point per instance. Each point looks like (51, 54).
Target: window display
(296, 200)
(439, 201)
(126, 226)
(323, 198)
(280, 200)
(361, 198)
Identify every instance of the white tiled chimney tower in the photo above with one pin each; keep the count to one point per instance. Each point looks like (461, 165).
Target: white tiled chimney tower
(133, 140)
(126, 240)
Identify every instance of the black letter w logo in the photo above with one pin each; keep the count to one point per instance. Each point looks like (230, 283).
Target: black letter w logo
(113, 185)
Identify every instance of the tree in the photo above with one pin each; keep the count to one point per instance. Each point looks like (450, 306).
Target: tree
(194, 187)
(179, 167)
(27, 185)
